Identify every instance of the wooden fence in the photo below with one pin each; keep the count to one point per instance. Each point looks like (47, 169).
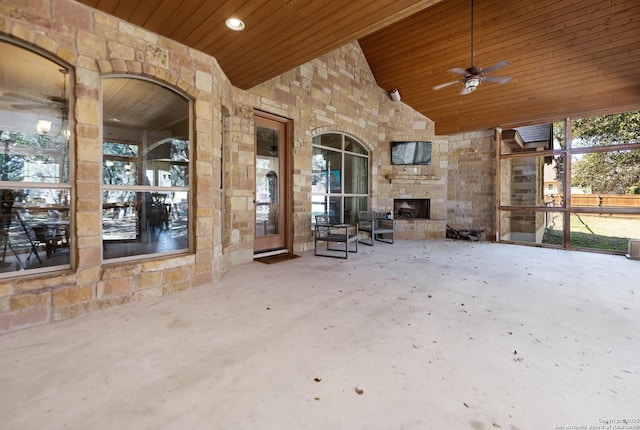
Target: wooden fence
(598, 200)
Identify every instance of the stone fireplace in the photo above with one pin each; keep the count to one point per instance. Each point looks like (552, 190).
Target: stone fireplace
(411, 208)
(416, 195)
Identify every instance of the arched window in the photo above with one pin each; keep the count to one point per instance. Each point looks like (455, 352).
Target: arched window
(146, 173)
(35, 188)
(340, 177)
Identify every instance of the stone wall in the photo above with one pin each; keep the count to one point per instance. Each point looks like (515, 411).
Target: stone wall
(471, 185)
(335, 92)
(94, 45)
(421, 182)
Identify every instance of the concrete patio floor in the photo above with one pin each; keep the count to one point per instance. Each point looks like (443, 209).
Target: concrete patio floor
(415, 335)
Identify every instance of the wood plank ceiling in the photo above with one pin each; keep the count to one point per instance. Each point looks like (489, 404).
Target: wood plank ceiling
(279, 36)
(568, 58)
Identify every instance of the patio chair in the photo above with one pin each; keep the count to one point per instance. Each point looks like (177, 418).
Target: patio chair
(375, 225)
(333, 234)
(6, 216)
(33, 235)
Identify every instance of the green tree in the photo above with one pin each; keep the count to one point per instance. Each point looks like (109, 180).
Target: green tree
(612, 171)
(607, 130)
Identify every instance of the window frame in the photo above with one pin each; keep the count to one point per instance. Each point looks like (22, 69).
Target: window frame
(65, 153)
(560, 204)
(342, 195)
(141, 189)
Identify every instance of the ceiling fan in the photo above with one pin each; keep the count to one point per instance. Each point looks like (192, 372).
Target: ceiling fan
(22, 101)
(38, 103)
(474, 75)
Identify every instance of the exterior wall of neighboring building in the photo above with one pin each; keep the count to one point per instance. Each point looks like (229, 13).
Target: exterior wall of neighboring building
(335, 92)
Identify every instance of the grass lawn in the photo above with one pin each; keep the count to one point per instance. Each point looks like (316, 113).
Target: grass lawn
(597, 232)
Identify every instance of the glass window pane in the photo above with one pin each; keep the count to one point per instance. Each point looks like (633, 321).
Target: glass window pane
(34, 152)
(353, 205)
(138, 223)
(326, 165)
(119, 149)
(356, 174)
(605, 232)
(335, 209)
(332, 140)
(319, 206)
(148, 149)
(327, 205)
(31, 158)
(34, 229)
(166, 163)
(352, 145)
(339, 179)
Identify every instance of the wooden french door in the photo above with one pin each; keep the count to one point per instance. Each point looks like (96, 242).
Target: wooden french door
(271, 187)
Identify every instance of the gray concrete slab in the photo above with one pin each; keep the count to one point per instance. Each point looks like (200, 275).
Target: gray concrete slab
(415, 335)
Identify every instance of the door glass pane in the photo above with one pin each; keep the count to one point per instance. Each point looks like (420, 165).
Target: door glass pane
(267, 182)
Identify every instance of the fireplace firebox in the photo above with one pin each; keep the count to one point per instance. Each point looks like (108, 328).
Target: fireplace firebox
(411, 208)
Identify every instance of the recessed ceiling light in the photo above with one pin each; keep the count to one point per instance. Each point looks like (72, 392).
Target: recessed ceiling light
(235, 24)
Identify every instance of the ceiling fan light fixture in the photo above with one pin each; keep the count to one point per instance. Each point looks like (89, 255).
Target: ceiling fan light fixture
(43, 126)
(234, 24)
(472, 83)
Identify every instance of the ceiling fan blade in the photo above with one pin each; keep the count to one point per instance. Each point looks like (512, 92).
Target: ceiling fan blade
(23, 97)
(42, 108)
(459, 71)
(497, 79)
(439, 87)
(465, 91)
(8, 99)
(498, 65)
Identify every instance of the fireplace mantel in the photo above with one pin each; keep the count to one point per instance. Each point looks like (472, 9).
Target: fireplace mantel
(408, 178)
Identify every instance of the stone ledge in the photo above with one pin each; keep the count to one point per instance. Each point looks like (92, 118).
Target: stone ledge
(408, 178)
